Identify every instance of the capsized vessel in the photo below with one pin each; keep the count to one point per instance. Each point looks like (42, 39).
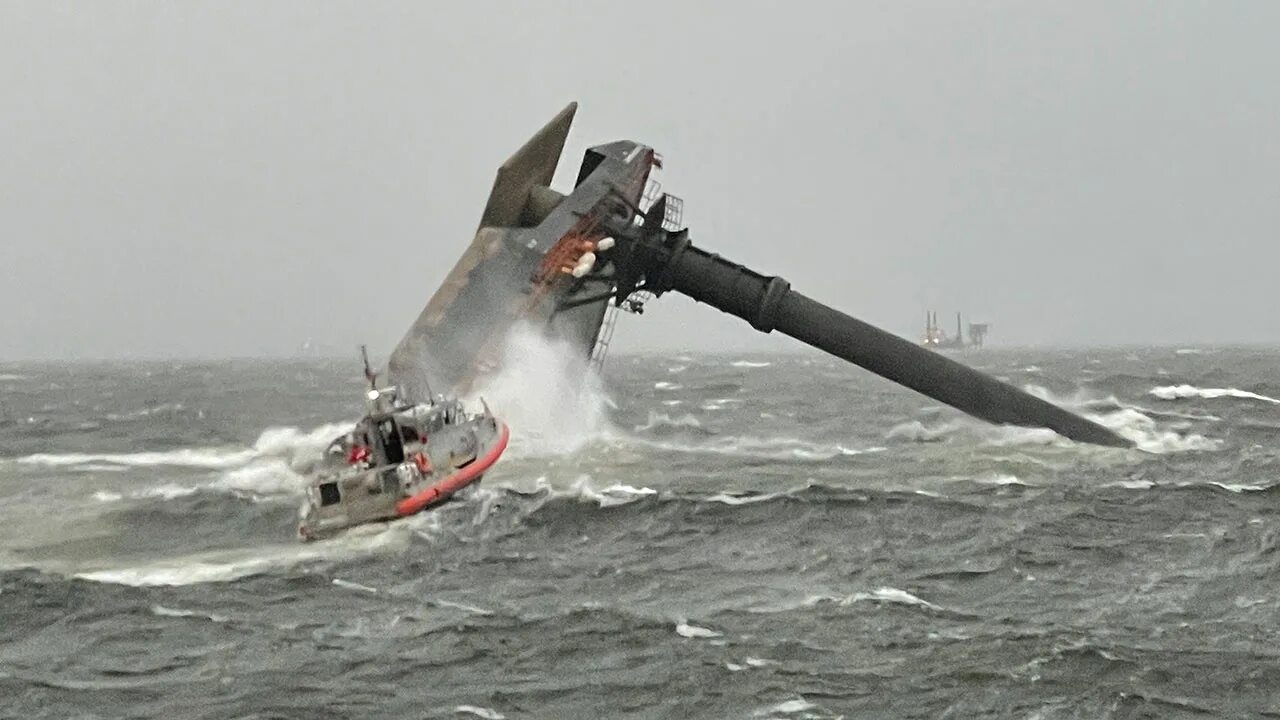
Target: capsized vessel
(399, 459)
(567, 261)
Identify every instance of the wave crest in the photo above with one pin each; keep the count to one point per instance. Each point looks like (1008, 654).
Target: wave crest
(1182, 392)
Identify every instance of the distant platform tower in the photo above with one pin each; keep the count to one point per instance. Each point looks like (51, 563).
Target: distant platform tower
(977, 333)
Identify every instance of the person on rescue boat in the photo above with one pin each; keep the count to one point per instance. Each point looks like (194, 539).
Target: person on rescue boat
(360, 453)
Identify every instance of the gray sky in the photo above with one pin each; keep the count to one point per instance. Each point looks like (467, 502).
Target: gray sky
(230, 178)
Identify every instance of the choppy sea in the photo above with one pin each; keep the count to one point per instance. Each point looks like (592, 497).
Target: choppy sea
(697, 536)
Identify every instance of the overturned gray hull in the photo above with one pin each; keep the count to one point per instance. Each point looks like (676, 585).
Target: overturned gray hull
(556, 261)
(459, 337)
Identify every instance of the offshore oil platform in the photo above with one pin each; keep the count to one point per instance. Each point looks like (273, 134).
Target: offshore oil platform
(935, 337)
(567, 262)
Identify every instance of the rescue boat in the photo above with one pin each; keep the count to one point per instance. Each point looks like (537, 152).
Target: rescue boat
(398, 460)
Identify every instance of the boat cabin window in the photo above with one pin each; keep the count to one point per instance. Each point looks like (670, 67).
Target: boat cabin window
(329, 494)
(389, 438)
(390, 483)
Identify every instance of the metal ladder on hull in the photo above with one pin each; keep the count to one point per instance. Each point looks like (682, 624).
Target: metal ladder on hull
(672, 220)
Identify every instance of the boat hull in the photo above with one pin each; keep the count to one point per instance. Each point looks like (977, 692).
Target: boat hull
(452, 459)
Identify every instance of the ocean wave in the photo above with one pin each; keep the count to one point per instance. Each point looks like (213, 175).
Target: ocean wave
(582, 489)
(349, 585)
(99, 467)
(1132, 484)
(659, 422)
(716, 404)
(996, 435)
(281, 442)
(1131, 423)
(1144, 433)
(776, 448)
(1214, 485)
(890, 595)
(788, 707)
(694, 632)
(144, 412)
(1182, 392)
(610, 496)
(1000, 479)
(480, 712)
(749, 364)
(746, 498)
(916, 431)
(460, 606)
(207, 458)
(1111, 402)
(162, 611)
(664, 385)
(1242, 487)
(228, 566)
(585, 490)
(177, 574)
(261, 480)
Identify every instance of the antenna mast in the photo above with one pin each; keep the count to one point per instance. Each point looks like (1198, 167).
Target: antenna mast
(369, 374)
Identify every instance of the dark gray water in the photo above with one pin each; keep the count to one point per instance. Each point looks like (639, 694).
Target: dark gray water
(724, 537)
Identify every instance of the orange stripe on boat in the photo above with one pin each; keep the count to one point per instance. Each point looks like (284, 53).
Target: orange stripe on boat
(455, 482)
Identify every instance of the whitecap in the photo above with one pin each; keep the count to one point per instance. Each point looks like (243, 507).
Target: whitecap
(209, 458)
(1000, 479)
(284, 442)
(480, 712)
(726, 498)
(1142, 431)
(95, 467)
(664, 385)
(224, 566)
(718, 403)
(1180, 392)
(270, 477)
(777, 448)
(684, 629)
(916, 431)
(1240, 487)
(890, 595)
(339, 582)
(660, 420)
(176, 573)
(749, 364)
(611, 496)
(168, 491)
(1132, 484)
(461, 606)
(792, 706)
(163, 611)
